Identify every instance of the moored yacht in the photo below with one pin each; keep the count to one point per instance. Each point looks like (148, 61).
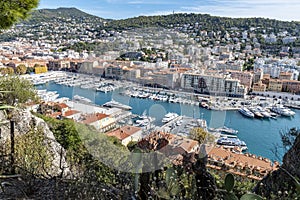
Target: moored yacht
(246, 112)
(265, 113)
(116, 104)
(256, 112)
(169, 117)
(231, 141)
(281, 110)
(81, 98)
(225, 130)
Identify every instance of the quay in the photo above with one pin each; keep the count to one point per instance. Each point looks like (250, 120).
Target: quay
(158, 94)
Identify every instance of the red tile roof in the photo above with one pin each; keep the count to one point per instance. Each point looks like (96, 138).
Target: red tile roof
(124, 132)
(62, 105)
(70, 113)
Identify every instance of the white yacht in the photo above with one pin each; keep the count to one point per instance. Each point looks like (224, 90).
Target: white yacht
(116, 104)
(225, 130)
(231, 142)
(47, 95)
(169, 117)
(81, 98)
(265, 113)
(281, 110)
(256, 112)
(246, 112)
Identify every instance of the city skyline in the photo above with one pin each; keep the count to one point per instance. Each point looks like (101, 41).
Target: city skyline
(122, 9)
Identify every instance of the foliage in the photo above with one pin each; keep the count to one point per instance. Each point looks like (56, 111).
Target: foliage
(10, 70)
(144, 54)
(200, 135)
(66, 134)
(21, 91)
(288, 138)
(21, 69)
(32, 152)
(13, 11)
(43, 15)
(29, 70)
(249, 64)
(205, 21)
(7, 71)
(80, 141)
(240, 188)
(4, 70)
(229, 193)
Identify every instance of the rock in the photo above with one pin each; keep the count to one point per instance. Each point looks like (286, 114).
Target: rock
(280, 182)
(24, 122)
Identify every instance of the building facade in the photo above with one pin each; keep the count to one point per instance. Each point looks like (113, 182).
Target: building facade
(212, 85)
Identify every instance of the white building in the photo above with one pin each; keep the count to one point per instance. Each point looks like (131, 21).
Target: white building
(212, 85)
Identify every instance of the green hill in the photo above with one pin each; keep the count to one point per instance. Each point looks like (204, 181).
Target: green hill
(61, 14)
(205, 22)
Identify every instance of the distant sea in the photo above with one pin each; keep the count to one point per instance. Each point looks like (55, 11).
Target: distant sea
(260, 134)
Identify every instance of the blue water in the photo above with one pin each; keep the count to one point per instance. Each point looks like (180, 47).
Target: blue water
(260, 135)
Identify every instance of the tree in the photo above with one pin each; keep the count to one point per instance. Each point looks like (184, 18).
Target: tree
(21, 69)
(20, 91)
(4, 70)
(7, 70)
(29, 70)
(32, 152)
(10, 71)
(198, 134)
(288, 138)
(14, 10)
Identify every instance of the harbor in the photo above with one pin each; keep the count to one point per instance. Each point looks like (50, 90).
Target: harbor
(259, 134)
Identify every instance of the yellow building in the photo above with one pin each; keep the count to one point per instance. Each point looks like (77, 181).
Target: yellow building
(40, 69)
(275, 85)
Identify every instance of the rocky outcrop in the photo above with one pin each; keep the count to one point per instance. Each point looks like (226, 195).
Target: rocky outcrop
(24, 122)
(280, 183)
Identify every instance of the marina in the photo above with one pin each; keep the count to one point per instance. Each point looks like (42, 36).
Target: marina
(259, 134)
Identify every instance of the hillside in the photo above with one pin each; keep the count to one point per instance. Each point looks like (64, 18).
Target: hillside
(205, 22)
(62, 14)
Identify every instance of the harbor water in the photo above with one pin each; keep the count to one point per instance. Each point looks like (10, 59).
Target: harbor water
(260, 134)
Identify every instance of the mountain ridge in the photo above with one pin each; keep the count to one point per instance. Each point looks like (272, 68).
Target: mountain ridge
(205, 21)
(47, 14)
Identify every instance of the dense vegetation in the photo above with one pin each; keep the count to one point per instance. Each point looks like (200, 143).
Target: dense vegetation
(63, 14)
(205, 22)
(16, 91)
(13, 11)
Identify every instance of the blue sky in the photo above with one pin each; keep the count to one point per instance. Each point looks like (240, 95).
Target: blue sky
(121, 9)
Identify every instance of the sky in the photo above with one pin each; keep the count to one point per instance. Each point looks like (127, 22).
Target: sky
(286, 10)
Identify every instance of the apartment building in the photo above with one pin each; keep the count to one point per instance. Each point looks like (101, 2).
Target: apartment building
(245, 78)
(291, 86)
(58, 64)
(213, 85)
